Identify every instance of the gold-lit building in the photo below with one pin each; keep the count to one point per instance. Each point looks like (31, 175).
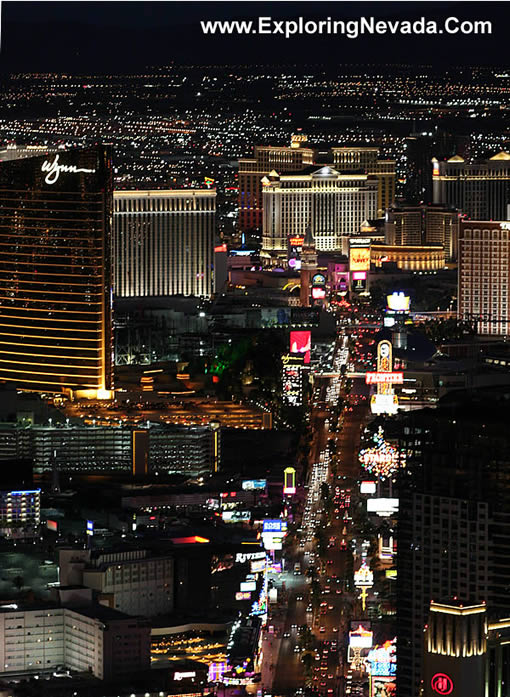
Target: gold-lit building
(163, 242)
(484, 275)
(334, 206)
(366, 159)
(480, 189)
(55, 282)
(267, 158)
(270, 160)
(432, 225)
(408, 258)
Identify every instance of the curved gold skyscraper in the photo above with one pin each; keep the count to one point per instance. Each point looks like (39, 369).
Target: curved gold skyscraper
(55, 285)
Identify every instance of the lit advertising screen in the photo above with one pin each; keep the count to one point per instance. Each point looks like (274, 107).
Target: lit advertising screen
(361, 637)
(236, 516)
(359, 259)
(301, 343)
(273, 525)
(257, 566)
(292, 379)
(318, 294)
(367, 487)
(243, 595)
(398, 302)
(248, 586)
(383, 687)
(252, 484)
(382, 507)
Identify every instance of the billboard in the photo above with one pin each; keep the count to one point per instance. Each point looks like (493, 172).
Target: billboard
(236, 516)
(243, 595)
(276, 525)
(398, 302)
(359, 259)
(383, 687)
(257, 566)
(383, 507)
(367, 487)
(382, 660)
(361, 637)
(252, 484)
(273, 532)
(293, 379)
(318, 293)
(274, 317)
(248, 586)
(384, 403)
(363, 577)
(301, 343)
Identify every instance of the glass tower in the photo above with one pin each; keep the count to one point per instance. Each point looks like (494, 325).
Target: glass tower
(55, 281)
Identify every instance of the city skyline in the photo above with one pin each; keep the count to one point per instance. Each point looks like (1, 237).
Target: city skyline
(254, 350)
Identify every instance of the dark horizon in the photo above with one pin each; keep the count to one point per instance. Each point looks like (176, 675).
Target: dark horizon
(114, 37)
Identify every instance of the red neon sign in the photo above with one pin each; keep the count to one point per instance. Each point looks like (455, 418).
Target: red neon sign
(395, 378)
(442, 684)
(221, 248)
(296, 241)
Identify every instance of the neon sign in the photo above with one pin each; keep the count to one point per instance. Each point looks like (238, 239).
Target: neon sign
(442, 684)
(382, 660)
(381, 460)
(394, 378)
(54, 170)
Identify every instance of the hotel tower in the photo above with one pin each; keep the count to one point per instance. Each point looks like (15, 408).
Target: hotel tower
(55, 286)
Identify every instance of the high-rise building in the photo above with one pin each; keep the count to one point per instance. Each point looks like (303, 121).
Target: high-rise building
(366, 159)
(479, 189)
(164, 242)
(484, 275)
(416, 226)
(333, 205)
(455, 649)
(55, 285)
(454, 520)
(267, 159)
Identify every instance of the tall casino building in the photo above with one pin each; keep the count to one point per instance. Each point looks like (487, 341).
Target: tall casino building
(55, 284)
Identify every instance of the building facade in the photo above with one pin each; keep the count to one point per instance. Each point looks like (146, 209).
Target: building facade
(163, 243)
(267, 159)
(132, 582)
(423, 226)
(366, 159)
(333, 205)
(19, 509)
(55, 234)
(453, 524)
(98, 640)
(484, 275)
(481, 189)
(85, 449)
(407, 258)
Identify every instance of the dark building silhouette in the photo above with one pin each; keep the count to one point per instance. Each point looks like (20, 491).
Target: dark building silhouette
(454, 515)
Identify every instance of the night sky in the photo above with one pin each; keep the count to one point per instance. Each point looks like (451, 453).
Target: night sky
(103, 37)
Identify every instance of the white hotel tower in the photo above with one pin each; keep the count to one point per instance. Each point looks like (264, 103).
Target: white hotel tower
(163, 242)
(334, 205)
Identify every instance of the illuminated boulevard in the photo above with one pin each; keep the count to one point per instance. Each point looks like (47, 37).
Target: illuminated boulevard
(285, 664)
